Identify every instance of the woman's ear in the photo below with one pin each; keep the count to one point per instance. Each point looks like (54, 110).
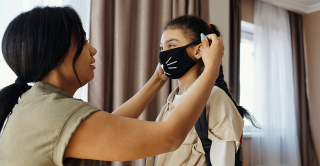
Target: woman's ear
(199, 51)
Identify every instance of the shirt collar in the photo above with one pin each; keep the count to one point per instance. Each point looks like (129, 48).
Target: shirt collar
(172, 94)
(45, 88)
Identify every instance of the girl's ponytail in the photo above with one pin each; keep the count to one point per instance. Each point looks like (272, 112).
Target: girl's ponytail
(221, 83)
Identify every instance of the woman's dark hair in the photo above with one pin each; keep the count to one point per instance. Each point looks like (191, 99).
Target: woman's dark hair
(35, 43)
(192, 27)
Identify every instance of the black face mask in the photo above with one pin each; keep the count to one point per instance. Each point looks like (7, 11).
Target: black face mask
(176, 62)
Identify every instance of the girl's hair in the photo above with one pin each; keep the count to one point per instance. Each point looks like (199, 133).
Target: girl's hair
(192, 27)
(35, 43)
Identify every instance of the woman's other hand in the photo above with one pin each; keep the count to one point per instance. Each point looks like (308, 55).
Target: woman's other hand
(212, 54)
(159, 73)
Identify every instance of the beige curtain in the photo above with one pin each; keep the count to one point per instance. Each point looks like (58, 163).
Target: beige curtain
(307, 151)
(126, 34)
(235, 32)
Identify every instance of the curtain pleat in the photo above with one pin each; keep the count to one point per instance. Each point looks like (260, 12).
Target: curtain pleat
(307, 151)
(235, 35)
(126, 34)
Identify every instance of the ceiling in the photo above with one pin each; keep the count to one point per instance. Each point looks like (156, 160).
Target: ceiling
(299, 6)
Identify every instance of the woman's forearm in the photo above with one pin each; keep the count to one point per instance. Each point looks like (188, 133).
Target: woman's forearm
(185, 115)
(137, 104)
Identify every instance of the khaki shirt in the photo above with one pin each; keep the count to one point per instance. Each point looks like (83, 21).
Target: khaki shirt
(40, 127)
(224, 123)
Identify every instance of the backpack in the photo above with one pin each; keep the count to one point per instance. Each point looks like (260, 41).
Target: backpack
(201, 127)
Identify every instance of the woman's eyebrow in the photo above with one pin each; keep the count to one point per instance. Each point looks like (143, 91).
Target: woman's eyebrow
(169, 40)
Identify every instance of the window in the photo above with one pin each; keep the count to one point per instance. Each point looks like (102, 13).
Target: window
(9, 10)
(246, 70)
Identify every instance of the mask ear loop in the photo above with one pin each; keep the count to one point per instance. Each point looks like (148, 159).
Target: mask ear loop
(193, 43)
(186, 46)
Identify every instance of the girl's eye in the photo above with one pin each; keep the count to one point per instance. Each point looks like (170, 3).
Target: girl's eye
(170, 46)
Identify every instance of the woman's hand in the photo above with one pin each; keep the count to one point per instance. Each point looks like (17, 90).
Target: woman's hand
(138, 103)
(212, 54)
(160, 74)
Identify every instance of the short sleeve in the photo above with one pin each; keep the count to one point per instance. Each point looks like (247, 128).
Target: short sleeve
(224, 121)
(78, 115)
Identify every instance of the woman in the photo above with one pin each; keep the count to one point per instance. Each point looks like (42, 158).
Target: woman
(181, 58)
(46, 126)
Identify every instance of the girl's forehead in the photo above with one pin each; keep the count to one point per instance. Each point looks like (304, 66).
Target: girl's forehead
(170, 34)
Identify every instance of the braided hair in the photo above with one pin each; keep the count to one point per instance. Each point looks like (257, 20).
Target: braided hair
(191, 27)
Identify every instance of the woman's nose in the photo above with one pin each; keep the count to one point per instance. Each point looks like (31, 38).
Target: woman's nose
(93, 51)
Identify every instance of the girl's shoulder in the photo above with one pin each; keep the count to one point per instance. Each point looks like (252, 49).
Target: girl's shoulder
(218, 94)
(219, 103)
(224, 121)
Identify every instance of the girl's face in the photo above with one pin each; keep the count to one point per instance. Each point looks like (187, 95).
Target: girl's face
(173, 38)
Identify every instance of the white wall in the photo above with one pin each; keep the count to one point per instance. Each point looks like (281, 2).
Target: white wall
(219, 16)
(311, 27)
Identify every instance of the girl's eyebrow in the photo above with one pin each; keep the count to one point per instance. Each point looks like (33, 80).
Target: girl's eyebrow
(169, 40)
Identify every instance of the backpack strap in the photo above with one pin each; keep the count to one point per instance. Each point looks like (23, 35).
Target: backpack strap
(238, 157)
(201, 127)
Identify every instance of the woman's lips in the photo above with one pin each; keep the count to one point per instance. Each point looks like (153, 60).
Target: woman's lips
(93, 66)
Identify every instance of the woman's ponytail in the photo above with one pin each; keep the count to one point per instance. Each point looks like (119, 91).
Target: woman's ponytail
(9, 98)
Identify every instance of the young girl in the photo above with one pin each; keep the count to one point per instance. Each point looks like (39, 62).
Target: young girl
(181, 58)
(48, 127)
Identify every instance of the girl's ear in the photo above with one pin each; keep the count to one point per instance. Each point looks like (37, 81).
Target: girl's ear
(199, 51)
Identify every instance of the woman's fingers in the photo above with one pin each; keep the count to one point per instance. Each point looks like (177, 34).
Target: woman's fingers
(212, 54)
(159, 72)
(213, 38)
(221, 41)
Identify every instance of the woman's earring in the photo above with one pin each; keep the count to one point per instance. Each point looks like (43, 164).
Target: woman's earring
(197, 57)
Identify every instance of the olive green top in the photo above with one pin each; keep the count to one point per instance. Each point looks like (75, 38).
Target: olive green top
(40, 127)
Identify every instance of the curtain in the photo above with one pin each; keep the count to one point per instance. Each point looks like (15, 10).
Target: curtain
(126, 34)
(306, 145)
(274, 104)
(235, 32)
(10, 9)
